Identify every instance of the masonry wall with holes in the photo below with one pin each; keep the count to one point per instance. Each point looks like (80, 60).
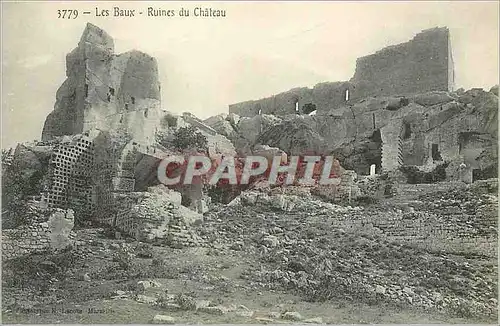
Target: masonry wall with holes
(322, 97)
(70, 175)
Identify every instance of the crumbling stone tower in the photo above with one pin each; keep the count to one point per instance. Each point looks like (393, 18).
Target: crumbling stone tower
(106, 101)
(105, 91)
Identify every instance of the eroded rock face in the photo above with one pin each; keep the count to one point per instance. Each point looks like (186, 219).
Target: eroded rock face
(295, 137)
(421, 130)
(106, 91)
(250, 128)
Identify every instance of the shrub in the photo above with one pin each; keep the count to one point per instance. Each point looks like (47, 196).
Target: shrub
(184, 138)
(189, 138)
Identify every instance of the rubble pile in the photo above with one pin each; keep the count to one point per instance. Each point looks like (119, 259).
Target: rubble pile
(147, 216)
(376, 186)
(473, 212)
(179, 235)
(303, 202)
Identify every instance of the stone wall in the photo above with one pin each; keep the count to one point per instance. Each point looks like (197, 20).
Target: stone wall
(421, 65)
(25, 240)
(423, 231)
(322, 97)
(53, 234)
(450, 229)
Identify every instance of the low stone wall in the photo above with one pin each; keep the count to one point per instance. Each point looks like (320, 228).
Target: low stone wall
(426, 232)
(453, 232)
(25, 240)
(53, 234)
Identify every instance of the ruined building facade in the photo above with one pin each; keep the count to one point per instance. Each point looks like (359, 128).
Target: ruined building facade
(421, 65)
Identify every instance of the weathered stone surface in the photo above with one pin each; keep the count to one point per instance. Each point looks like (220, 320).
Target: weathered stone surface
(379, 289)
(274, 314)
(202, 304)
(250, 128)
(292, 315)
(166, 193)
(60, 225)
(421, 65)
(145, 299)
(296, 137)
(106, 91)
(216, 310)
(143, 285)
(270, 241)
(217, 142)
(147, 215)
(316, 320)
(163, 319)
(494, 90)
(233, 119)
(432, 98)
(220, 124)
(372, 132)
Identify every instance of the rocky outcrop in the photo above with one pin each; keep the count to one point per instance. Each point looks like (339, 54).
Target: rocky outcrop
(421, 130)
(295, 137)
(106, 91)
(250, 128)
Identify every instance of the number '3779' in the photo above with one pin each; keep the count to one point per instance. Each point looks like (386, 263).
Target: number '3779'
(67, 13)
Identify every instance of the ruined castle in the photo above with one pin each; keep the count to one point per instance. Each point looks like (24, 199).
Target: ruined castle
(399, 108)
(421, 65)
(98, 153)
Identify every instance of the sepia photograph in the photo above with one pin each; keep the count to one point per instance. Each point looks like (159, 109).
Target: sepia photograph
(253, 162)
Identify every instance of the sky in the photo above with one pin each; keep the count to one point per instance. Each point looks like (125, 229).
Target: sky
(257, 50)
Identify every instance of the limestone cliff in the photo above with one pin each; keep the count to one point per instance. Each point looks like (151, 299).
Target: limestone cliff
(106, 91)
